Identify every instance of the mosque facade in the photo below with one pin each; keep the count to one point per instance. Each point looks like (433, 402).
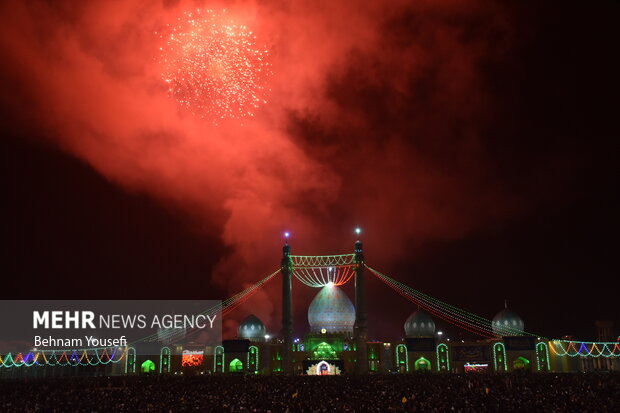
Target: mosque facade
(337, 343)
(330, 347)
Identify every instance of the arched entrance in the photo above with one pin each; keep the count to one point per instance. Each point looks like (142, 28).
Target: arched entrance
(402, 358)
(521, 363)
(164, 360)
(422, 364)
(236, 366)
(253, 359)
(147, 367)
(324, 351)
(322, 369)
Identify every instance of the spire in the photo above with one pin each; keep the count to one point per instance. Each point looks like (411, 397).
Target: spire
(286, 249)
(287, 306)
(505, 303)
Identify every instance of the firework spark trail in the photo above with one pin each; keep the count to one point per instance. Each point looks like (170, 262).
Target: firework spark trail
(214, 67)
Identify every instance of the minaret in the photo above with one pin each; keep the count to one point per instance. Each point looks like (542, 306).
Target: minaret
(360, 330)
(287, 308)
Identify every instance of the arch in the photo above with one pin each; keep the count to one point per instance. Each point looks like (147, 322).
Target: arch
(542, 356)
(422, 364)
(253, 353)
(443, 357)
(402, 358)
(322, 368)
(218, 359)
(147, 367)
(130, 360)
(164, 360)
(499, 357)
(521, 363)
(235, 366)
(324, 351)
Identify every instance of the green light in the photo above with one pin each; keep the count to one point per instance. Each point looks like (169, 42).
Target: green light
(236, 366)
(422, 364)
(324, 352)
(316, 261)
(253, 358)
(542, 356)
(402, 356)
(453, 314)
(164, 360)
(443, 360)
(499, 357)
(147, 367)
(218, 359)
(130, 362)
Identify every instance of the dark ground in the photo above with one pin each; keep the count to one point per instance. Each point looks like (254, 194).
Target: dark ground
(393, 393)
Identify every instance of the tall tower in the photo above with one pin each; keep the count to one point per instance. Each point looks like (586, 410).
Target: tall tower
(286, 333)
(360, 330)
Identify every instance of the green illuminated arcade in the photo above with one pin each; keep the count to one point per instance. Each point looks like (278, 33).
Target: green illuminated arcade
(337, 342)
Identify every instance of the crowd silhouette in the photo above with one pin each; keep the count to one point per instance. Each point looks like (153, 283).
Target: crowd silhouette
(373, 393)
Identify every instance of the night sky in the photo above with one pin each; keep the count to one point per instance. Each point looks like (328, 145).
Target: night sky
(474, 143)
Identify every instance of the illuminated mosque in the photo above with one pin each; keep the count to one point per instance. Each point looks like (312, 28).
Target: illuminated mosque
(337, 341)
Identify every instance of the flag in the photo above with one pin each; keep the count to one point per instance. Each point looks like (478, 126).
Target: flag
(294, 396)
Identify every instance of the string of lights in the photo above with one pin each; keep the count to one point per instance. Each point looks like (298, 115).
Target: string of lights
(318, 271)
(227, 306)
(317, 261)
(580, 348)
(52, 359)
(451, 317)
(322, 276)
(80, 357)
(482, 326)
(452, 314)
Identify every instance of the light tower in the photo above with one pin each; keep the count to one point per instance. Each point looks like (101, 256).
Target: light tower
(360, 330)
(287, 307)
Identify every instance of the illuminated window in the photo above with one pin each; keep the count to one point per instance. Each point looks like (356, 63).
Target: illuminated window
(402, 358)
(236, 366)
(147, 367)
(499, 357)
(443, 358)
(218, 359)
(324, 352)
(253, 359)
(422, 364)
(542, 356)
(164, 360)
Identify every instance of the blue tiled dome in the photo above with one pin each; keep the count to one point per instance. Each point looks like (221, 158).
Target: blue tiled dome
(419, 324)
(331, 310)
(507, 323)
(252, 328)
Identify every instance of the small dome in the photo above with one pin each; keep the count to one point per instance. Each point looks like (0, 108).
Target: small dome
(252, 329)
(420, 324)
(507, 323)
(331, 310)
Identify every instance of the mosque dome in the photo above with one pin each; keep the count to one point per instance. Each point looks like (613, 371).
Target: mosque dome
(252, 328)
(419, 324)
(332, 311)
(507, 323)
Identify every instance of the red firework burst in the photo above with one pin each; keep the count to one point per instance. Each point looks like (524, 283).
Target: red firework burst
(214, 67)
